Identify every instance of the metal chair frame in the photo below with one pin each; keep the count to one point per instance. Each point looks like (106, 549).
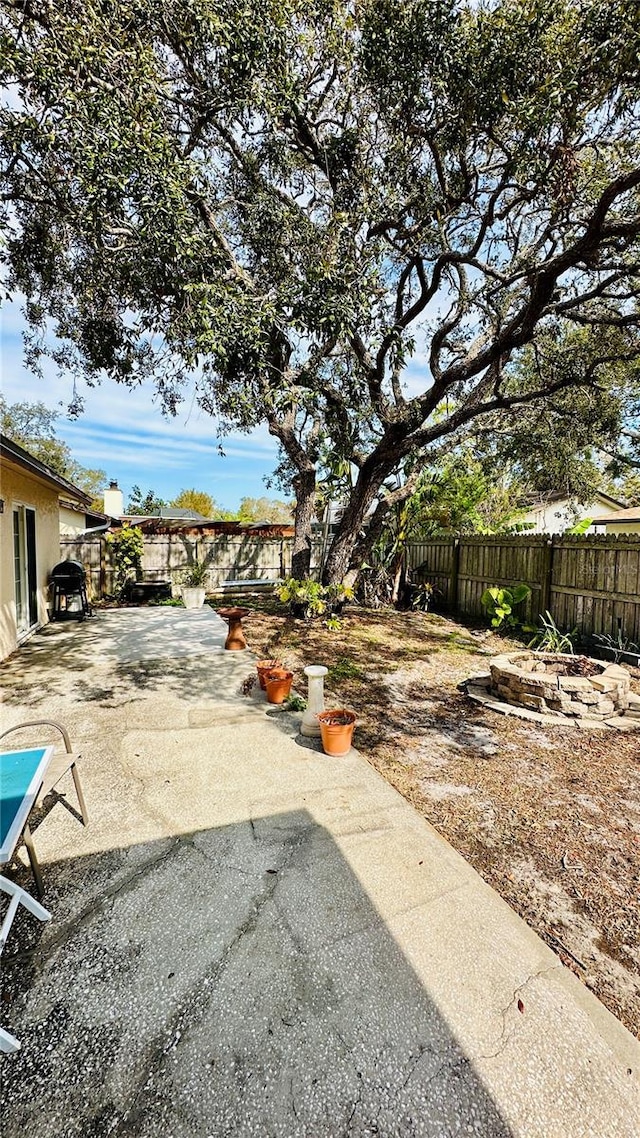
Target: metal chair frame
(59, 765)
(19, 896)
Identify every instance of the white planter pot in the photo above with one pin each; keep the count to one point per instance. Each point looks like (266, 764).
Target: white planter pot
(192, 598)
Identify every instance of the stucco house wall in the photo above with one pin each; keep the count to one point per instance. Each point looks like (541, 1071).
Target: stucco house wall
(17, 488)
(30, 494)
(560, 515)
(71, 521)
(621, 522)
(621, 527)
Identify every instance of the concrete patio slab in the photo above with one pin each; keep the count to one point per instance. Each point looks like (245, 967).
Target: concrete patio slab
(251, 938)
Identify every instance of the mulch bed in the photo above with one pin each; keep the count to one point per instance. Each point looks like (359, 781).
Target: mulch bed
(549, 816)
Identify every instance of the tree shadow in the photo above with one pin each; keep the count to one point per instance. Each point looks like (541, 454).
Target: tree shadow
(230, 981)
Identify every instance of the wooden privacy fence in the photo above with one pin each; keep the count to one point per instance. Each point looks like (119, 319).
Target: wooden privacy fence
(591, 583)
(91, 552)
(230, 557)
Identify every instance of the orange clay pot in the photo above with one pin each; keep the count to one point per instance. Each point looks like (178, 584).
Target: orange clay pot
(264, 666)
(278, 683)
(336, 728)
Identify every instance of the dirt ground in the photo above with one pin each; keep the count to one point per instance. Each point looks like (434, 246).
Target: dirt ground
(549, 816)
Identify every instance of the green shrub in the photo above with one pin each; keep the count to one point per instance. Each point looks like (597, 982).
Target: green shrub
(126, 547)
(307, 598)
(549, 638)
(304, 598)
(499, 604)
(422, 597)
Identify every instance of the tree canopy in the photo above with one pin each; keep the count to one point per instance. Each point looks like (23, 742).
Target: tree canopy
(140, 504)
(300, 202)
(197, 500)
(33, 426)
(204, 504)
(265, 510)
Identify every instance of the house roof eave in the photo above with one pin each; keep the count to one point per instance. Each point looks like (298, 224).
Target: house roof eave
(12, 452)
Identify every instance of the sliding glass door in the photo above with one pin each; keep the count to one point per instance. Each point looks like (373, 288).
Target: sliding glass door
(25, 568)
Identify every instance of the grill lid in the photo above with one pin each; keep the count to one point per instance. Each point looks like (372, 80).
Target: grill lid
(68, 571)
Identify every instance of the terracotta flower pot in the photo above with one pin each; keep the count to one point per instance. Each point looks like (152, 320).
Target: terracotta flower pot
(336, 728)
(278, 684)
(264, 666)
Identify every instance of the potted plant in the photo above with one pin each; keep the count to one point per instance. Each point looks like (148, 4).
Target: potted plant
(305, 599)
(265, 666)
(337, 597)
(336, 728)
(278, 684)
(192, 585)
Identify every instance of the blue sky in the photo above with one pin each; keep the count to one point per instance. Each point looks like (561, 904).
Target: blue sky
(124, 433)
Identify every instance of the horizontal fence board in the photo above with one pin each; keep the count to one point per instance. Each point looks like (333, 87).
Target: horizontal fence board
(590, 582)
(230, 557)
(610, 595)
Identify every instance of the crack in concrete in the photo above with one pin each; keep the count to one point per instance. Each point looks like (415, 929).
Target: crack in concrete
(99, 905)
(505, 1039)
(355, 1105)
(66, 931)
(413, 1062)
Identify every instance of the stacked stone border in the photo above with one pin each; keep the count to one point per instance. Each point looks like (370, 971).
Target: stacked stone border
(531, 686)
(535, 681)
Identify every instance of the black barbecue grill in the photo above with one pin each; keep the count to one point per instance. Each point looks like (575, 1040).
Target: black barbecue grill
(70, 600)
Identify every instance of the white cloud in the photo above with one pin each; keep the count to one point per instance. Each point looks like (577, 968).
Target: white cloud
(123, 431)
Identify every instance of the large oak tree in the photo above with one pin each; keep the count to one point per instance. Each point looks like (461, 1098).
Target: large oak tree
(292, 199)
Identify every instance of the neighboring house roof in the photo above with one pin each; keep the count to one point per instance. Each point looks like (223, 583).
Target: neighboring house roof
(94, 516)
(538, 501)
(94, 521)
(631, 514)
(169, 514)
(20, 457)
(158, 525)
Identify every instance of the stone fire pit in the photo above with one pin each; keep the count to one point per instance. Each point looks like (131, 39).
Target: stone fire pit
(561, 684)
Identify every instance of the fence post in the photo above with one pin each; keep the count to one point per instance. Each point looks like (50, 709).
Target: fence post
(455, 568)
(547, 576)
(102, 578)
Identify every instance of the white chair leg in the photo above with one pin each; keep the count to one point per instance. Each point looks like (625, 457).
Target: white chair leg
(8, 1042)
(19, 897)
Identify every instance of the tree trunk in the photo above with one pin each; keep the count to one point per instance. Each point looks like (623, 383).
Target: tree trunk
(354, 541)
(304, 485)
(398, 575)
(339, 558)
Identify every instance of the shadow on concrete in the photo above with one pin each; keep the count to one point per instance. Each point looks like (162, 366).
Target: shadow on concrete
(120, 655)
(234, 981)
